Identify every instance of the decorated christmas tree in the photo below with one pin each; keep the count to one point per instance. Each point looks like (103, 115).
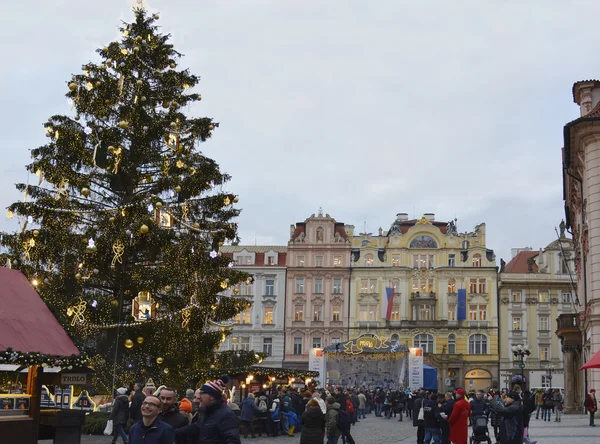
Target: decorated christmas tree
(121, 231)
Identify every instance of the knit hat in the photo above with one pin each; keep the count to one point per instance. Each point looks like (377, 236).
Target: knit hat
(215, 388)
(185, 405)
(513, 395)
(460, 392)
(593, 391)
(122, 391)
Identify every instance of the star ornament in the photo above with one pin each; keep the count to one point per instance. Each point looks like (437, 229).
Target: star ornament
(213, 254)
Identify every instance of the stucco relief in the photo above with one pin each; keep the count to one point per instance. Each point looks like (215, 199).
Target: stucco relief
(337, 300)
(299, 299)
(317, 299)
(368, 297)
(585, 243)
(575, 197)
(504, 300)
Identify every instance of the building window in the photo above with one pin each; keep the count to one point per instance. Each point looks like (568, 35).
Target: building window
(268, 346)
(565, 298)
(477, 260)
(367, 313)
(451, 285)
(544, 353)
(337, 286)
(335, 312)
(425, 342)
(268, 315)
(368, 260)
(395, 316)
(243, 260)
(337, 261)
(364, 285)
(543, 296)
(478, 312)
(372, 285)
(482, 286)
(245, 343)
(477, 286)
(546, 382)
(452, 260)
(235, 343)
(319, 261)
(335, 340)
(395, 284)
(478, 345)
(544, 323)
(423, 260)
(271, 260)
(318, 286)
(300, 285)
(422, 285)
(270, 287)
(452, 344)
(247, 315)
(300, 261)
(246, 290)
(472, 286)
(317, 313)
(299, 313)
(297, 346)
(516, 322)
(395, 261)
(452, 312)
(425, 312)
(516, 297)
(316, 343)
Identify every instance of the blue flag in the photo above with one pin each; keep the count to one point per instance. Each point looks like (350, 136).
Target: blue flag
(462, 305)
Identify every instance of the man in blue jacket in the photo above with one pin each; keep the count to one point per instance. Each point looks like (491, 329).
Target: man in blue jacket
(219, 426)
(151, 430)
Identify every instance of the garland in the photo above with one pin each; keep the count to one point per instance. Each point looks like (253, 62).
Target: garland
(9, 356)
(278, 373)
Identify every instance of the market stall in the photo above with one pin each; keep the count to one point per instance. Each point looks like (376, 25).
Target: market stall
(31, 339)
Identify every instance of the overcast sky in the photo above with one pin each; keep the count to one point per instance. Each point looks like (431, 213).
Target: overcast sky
(363, 108)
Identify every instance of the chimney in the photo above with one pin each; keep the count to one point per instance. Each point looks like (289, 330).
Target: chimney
(401, 217)
(292, 229)
(429, 216)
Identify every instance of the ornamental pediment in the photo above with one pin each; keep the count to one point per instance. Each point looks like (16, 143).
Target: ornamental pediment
(481, 298)
(299, 299)
(337, 300)
(318, 299)
(368, 297)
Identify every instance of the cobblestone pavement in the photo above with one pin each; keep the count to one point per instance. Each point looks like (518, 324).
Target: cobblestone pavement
(383, 431)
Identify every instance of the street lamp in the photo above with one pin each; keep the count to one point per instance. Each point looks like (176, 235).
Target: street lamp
(520, 351)
(506, 377)
(549, 370)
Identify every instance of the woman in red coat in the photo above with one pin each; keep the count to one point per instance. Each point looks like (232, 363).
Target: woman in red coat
(459, 420)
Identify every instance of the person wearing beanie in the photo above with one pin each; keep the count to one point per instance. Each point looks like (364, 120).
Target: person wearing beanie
(185, 408)
(120, 414)
(591, 405)
(459, 419)
(170, 412)
(511, 431)
(220, 425)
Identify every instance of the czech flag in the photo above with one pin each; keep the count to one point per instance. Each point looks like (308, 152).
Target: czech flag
(390, 302)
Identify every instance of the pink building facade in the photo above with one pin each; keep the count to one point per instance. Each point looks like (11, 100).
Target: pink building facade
(318, 287)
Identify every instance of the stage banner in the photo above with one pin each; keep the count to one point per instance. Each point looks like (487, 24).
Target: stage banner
(316, 363)
(415, 368)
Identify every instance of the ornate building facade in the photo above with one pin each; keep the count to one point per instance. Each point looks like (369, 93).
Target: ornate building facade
(318, 273)
(261, 326)
(427, 285)
(581, 181)
(536, 288)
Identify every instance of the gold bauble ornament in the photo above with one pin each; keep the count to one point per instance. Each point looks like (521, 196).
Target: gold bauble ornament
(107, 102)
(173, 125)
(136, 49)
(78, 276)
(235, 199)
(158, 205)
(98, 83)
(111, 149)
(114, 303)
(36, 233)
(236, 291)
(140, 339)
(196, 225)
(178, 188)
(166, 104)
(105, 49)
(144, 229)
(166, 371)
(72, 86)
(159, 360)
(168, 288)
(128, 343)
(123, 124)
(174, 104)
(111, 219)
(86, 192)
(84, 241)
(211, 127)
(76, 117)
(172, 65)
(139, 83)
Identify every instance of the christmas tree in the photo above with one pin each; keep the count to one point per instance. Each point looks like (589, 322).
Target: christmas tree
(121, 233)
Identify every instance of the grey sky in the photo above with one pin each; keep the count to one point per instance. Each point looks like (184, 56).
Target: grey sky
(366, 108)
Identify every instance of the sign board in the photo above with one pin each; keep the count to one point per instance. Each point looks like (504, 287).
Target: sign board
(73, 379)
(415, 368)
(316, 362)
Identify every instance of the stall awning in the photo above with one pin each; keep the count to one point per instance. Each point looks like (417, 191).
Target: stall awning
(26, 323)
(594, 362)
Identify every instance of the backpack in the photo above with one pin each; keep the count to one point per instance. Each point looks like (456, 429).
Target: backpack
(349, 407)
(262, 406)
(275, 415)
(343, 421)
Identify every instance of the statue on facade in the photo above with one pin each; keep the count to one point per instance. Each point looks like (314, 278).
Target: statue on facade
(300, 237)
(451, 228)
(562, 227)
(502, 265)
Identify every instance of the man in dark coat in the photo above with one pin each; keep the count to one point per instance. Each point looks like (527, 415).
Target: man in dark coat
(511, 431)
(135, 410)
(220, 424)
(419, 424)
(313, 424)
(151, 430)
(249, 410)
(119, 415)
(432, 419)
(446, 408)
(170, 412)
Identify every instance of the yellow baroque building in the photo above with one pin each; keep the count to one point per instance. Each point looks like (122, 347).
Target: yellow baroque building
(426, 285)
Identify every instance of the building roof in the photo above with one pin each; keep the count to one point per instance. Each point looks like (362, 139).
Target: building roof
(26, 324)
(253, 248)
(519, 263)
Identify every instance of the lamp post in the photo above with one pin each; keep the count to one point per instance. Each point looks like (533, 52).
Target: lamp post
(506, 377)
(549, 370)
(520, 351)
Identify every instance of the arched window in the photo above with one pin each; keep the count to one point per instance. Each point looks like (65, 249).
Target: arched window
(452, 344)
(478, 345)
(368, 260)
(395, 337)
(477, 260)
(451, 285)
(423, 241)
(425, 342)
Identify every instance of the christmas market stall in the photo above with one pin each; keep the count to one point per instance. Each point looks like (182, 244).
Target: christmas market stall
(31, 339)
(367, 361)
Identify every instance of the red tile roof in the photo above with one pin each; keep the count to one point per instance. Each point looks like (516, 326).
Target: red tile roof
(518, 264)
(26, 323)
